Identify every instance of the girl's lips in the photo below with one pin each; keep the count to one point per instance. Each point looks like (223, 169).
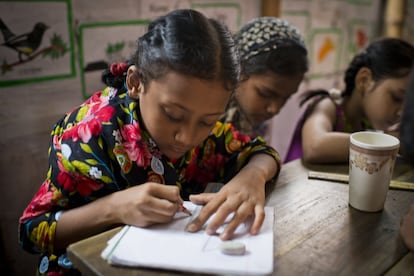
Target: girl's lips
(179, 150)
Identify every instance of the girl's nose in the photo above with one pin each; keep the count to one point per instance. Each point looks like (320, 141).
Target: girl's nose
(186, 136)
(273, 107)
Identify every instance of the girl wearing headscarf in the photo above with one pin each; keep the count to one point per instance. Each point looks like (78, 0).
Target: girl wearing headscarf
(273, 63)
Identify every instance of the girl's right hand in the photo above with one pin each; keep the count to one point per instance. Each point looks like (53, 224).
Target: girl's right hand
(393, 130)
(146, 204)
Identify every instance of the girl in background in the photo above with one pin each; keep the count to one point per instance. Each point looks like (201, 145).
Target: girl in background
(133, 152)
(375, 86)
(273, 63)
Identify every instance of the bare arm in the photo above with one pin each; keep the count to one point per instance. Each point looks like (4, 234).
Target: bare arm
(319, 142)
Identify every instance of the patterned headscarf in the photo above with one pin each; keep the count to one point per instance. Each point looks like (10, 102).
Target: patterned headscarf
(264, 34)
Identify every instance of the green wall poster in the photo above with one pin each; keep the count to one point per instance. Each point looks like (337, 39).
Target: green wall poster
(35, 43)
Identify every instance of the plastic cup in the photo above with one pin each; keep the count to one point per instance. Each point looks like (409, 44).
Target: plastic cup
(371, 163)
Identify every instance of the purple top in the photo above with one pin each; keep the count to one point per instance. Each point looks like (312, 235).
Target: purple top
(295, 149)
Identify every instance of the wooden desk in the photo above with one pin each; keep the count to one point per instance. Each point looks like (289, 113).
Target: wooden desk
(316, 232)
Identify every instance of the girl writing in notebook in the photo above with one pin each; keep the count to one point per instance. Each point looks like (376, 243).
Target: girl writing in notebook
(133, 152)
(375, 85)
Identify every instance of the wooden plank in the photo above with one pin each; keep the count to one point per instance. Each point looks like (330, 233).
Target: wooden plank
(344, 178)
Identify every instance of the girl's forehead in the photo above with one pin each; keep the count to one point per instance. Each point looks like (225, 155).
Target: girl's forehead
(401, 82)
(191, 93)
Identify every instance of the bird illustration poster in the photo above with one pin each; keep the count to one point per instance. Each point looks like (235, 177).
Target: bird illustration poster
(104, 43)
(35, 43)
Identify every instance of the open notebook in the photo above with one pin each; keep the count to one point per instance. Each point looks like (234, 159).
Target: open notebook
(169, 246)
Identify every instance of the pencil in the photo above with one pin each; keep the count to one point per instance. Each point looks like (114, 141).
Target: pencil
(185, 210)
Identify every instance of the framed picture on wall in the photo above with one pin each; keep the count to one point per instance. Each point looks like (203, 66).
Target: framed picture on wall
(35, 44)
(104, 43)
(325, 52)
(232, 12)
(360, 33)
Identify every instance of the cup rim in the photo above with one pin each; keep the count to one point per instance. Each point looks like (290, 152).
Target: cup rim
(394, 142)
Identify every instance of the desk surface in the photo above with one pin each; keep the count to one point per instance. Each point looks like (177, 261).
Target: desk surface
(316, 232)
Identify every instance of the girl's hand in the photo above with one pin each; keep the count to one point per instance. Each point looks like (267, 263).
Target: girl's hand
(393, 130)
(407, 228)
(244, 195)
(146, 204)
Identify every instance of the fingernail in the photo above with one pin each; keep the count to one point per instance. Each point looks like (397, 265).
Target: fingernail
(224, 236)
(211, 231)
(191, 227)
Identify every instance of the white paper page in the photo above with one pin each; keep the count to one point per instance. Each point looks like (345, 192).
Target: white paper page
(169, 246)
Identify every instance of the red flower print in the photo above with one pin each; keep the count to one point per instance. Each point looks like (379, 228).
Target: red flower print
(208, 171)
(134, 147)
(41, 203)
(72, 181)
(91, 124)
(75, 182)
(238, 136)
(86, 186)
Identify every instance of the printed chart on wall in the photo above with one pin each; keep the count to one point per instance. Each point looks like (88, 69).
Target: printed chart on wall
(325, 49)
(101, 44)
(35, 44)
(360, 33)
(332, 38)
(228, 12)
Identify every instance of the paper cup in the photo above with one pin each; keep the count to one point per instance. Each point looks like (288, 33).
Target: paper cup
(371, 162)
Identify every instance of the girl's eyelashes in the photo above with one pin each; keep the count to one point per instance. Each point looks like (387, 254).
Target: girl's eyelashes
(180, 118)
(172, 117)
(264, 94)
(208, 124)
(396, 98)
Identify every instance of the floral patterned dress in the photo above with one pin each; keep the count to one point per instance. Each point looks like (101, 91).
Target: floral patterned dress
(239, 120)
(102, 147)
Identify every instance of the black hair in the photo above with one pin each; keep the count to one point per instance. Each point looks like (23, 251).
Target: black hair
(187, 42)
(407, 122)
(289, 58)
(386, 58)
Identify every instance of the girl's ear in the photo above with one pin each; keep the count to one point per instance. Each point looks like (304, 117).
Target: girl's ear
(133, 82)
(363, 80)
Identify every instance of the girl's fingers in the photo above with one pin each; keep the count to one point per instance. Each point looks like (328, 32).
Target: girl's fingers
(202, 199)
(168, 192)
(259, 216)
(240, 217)
(206, 212)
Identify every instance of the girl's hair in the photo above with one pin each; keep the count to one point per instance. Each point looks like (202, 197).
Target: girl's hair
(386, 58)
(271, 44)
(187, 42)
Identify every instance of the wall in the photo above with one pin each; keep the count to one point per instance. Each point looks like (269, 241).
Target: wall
(35, 94)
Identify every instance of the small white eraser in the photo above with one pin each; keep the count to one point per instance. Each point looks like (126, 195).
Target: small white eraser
(233, 248)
